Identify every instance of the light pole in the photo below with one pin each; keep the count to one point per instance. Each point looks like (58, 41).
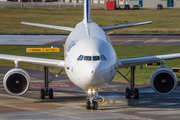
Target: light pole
(21, 3)
(74, 3)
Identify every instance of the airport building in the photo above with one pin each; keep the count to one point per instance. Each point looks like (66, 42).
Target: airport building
(122, 3)
(154, 3)
(141, 3)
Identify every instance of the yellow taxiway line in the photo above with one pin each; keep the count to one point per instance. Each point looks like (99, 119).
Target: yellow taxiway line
(103, 100)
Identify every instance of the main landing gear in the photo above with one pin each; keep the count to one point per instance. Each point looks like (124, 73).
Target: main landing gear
(48, 91)
(130, 91)
(91, 104)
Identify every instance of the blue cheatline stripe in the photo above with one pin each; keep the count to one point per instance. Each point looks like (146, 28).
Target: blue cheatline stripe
(87, 9)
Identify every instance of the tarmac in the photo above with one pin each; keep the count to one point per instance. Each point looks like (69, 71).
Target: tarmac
(117, 40)
(69, 102)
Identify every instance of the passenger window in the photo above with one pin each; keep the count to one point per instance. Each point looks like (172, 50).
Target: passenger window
(95, 58)
(88, 58)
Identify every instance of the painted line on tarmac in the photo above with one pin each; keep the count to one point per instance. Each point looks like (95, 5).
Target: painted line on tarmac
(18, 97)
(103, 99)
(41, 86)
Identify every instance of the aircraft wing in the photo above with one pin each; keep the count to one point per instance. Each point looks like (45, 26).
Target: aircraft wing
(126, 25)
(145, 60)
(33, 60)
(49, 26)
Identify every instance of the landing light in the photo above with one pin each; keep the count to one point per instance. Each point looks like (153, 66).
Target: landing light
(91, 91)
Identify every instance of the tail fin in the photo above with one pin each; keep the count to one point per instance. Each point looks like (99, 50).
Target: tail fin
(87, 15)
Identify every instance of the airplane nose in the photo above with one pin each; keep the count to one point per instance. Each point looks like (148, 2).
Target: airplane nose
(92, 72)
(89, 75)
(93, 76)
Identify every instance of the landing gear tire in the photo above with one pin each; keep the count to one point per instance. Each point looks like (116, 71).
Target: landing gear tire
(42, 93)
(136, 93)
(128, 93)
(88, 105)
(94, 105)
(50, 93)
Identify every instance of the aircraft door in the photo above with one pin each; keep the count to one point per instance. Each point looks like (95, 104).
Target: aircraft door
(140, 3)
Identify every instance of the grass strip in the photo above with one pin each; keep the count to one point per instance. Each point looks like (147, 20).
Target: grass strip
(166, 21)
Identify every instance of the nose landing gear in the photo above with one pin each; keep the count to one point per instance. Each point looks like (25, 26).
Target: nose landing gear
(91, 104)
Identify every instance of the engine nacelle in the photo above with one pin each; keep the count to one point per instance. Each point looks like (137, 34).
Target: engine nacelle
(16, 81)
(163, 81)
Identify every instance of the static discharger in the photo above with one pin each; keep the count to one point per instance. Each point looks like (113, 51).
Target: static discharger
(33, 50)
(176, 70)
(153, 64)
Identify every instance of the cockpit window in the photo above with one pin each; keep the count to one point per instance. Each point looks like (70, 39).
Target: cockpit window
(103, 58)
(80, 58)
(88, 58)
(96, 58)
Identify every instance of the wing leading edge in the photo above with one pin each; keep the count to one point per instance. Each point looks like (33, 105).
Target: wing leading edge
(33, 60)
(49, 26)
(145, 60)
(126, 25)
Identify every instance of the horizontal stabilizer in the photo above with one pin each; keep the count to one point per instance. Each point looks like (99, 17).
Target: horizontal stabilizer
(124, 26)
(49, 26)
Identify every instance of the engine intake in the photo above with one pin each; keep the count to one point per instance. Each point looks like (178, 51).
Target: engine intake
(163, 81)
(16, 81)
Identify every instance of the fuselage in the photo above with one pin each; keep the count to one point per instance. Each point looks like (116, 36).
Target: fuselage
(90, 59)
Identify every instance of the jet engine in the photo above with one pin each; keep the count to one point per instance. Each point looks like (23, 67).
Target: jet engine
(163, 81)
(16, 81)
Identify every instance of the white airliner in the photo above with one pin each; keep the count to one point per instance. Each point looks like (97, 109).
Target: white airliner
(90, 63)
